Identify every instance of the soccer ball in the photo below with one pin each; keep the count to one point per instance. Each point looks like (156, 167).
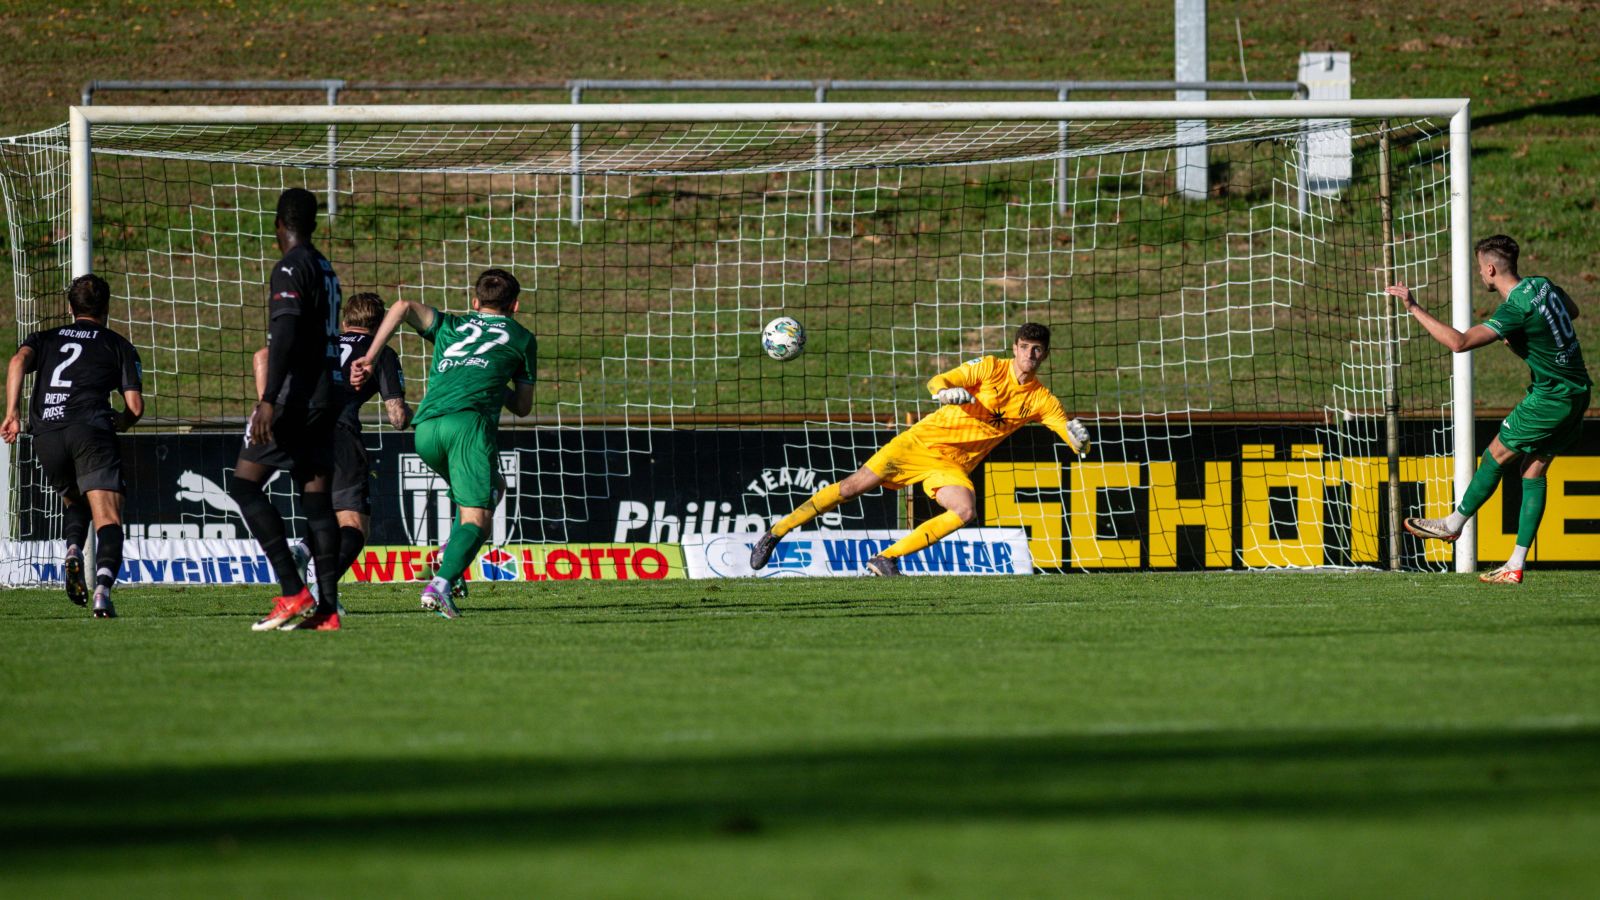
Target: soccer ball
(783, 338)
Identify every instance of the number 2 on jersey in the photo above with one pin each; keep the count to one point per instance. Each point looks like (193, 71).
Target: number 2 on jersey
(72, 351)
(471, 335)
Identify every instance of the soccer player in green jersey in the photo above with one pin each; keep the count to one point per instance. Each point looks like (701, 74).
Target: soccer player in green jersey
(475, 356)
(1535, 321)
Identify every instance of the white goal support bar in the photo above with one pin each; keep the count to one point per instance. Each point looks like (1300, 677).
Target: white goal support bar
(82, 118)
(1018, 111)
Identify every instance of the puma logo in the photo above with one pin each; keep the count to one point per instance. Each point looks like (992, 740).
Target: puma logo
(287, 271)
(200, 489)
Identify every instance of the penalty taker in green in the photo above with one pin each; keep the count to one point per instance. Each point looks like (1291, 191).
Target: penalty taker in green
(482, 360)
(1534, 319)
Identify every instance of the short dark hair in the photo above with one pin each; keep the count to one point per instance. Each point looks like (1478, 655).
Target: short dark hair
(1501, 249)
(90, 296)
(297, 210)
(497, 289)
(363, 310)
(1033, 331)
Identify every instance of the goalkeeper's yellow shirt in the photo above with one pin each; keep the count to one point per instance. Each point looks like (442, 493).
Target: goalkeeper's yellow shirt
(966, 433)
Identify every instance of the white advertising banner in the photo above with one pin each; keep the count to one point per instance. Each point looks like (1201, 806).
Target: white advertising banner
(146, 561)
(970, 551)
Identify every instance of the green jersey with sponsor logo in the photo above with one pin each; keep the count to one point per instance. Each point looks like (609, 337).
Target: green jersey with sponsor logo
(1536, 320)
(474, 356)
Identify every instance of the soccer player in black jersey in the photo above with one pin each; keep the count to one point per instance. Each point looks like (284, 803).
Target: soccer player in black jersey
(74, 428)
(352, 467)
(293, 422)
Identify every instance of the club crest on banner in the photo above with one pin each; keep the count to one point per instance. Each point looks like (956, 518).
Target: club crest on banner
(425, 504)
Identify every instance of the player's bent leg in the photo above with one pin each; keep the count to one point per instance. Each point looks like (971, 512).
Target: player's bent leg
(353, 528)
(106, 507)
(264, 522)
(1483, 485)
(926, 535)
(830, 496)
(465, 539)
(1531, 512)
(323, 530)
(75, 529)
(266, 526)
(960, 508)
(818, 503)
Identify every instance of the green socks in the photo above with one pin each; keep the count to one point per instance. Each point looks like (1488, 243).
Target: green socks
(462, 548)
(1532, 510)
(1481, 488)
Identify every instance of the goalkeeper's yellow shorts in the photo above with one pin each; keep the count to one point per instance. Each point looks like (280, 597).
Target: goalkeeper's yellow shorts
(906, 460)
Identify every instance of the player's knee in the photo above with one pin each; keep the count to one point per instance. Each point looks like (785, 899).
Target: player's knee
(965, 513)
(861, 481)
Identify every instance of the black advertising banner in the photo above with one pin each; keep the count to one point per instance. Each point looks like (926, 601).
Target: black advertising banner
(562, 486)
(1147, 496)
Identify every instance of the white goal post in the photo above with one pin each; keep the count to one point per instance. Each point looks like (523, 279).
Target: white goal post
(1083, 182)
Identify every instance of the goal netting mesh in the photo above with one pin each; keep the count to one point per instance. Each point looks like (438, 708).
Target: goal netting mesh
(1229, 351)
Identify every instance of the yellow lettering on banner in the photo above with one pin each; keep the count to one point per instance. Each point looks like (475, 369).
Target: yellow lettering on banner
(1214, 510)
(1553, 543)
(1368, 478)
(1437, 474)
(1307, 478)
(1088, 549)
(1493, 542)
(1043, 520)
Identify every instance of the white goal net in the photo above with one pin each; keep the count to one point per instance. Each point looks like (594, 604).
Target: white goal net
(1235, 357)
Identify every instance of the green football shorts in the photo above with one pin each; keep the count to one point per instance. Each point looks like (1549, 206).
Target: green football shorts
(461, 448)
(1544, 426)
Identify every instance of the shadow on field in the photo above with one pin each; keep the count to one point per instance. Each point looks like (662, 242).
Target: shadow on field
(467, 801)
(1577, 106)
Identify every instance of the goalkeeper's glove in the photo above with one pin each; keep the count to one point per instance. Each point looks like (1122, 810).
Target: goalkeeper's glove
(1079, 437)
(954, 395)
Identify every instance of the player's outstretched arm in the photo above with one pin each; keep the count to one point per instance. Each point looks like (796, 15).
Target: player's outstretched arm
(1458, 342)
(419, 316)
(21, 363)
(1073, 432)
(955, 386)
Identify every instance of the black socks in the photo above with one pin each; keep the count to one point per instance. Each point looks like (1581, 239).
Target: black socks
(266, 526)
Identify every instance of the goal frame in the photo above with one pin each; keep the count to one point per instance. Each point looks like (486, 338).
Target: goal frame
(1457, 110)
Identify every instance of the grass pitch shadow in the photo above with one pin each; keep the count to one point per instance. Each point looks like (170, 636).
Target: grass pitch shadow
(493, 800)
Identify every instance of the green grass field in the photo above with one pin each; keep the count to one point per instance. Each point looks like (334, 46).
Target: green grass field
(1311, 735)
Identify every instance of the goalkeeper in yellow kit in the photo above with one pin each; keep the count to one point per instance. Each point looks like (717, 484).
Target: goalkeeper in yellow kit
(984, 400)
